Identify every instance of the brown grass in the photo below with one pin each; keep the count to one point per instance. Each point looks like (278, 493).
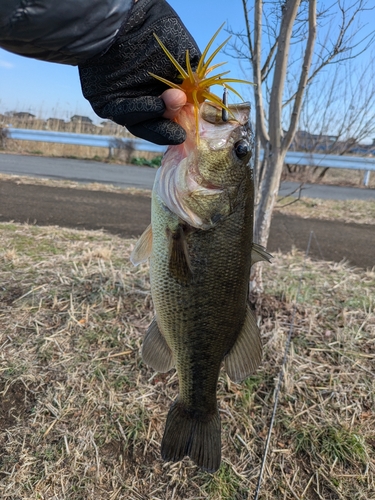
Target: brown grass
(333, 176)
(82, 416)
(58, 150)
(357, 211)
(89, 186)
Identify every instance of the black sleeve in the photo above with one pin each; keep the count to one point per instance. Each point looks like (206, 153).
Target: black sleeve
(62, 31)
(119, 85)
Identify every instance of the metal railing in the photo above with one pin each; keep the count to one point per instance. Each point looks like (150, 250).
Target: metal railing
(331, 161)
(106, 141)
(96, 140)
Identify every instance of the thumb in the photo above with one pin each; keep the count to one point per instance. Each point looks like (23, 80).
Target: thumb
(174, 100)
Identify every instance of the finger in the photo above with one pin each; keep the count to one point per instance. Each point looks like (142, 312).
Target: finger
(174, 100)
(159, 131)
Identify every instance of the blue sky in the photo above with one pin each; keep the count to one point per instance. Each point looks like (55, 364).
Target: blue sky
(48, 89)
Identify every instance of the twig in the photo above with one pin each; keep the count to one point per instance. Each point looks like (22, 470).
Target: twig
(123, 353)
(299, 189)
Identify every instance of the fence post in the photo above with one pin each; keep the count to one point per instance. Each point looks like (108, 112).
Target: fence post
(3, 136)
(366, 178)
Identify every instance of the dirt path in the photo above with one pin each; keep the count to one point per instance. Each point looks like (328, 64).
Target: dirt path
(128, 215)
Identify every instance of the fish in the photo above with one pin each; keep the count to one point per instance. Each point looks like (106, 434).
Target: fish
(200, 247)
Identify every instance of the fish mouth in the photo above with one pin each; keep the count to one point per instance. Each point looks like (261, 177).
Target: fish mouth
(183, 180)
(214, 135)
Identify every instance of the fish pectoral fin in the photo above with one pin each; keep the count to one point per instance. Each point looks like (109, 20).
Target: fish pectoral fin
(259, 253)
(179, 258)
(246, 354)
(143, 247)
(155, 350)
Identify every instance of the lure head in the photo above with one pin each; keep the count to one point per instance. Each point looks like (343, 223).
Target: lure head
(196, 83)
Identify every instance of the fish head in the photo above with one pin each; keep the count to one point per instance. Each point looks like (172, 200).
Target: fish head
(199, 179)
(225, 147)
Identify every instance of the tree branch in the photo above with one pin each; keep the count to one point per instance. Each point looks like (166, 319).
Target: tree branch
(341, 45)
(247, 22)
(260, 121)
(290, 9)
(267, 65)
(309, 51)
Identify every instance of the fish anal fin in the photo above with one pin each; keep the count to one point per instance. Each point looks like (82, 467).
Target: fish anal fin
(143, 247)
(155, 350)
(187, 435)
(259, 253)
(179, 258)
(246, 354)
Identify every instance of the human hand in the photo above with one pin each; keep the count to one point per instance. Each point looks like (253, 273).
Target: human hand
(174, 100)
(118, 84)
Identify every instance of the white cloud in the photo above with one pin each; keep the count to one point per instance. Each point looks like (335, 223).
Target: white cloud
(6, 64)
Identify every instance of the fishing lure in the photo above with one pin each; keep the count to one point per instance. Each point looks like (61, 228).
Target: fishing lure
(196, 84)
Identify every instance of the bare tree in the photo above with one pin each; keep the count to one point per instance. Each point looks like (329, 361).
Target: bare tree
(285, 33)
(337, 115)
(347, 104)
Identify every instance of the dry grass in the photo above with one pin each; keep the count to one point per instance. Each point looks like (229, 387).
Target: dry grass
(357, 211)
(82, 416)
(55, 149)
(68, 184)
(333, 176)
(58, 150)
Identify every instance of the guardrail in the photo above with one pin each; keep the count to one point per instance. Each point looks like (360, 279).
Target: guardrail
(331, 161)
(110, 142)
(101, 141)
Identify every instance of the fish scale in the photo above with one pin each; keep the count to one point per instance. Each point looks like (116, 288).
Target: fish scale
(208, 312)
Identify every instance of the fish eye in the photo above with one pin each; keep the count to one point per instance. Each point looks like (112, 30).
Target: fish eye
(242, 148)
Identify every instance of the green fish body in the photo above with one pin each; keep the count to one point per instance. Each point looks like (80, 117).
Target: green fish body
(201, 244)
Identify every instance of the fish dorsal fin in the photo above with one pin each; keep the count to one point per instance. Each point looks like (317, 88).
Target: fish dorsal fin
(143, 247)
(246, 354)
(179, 258)
(155, 350)
(259, 253)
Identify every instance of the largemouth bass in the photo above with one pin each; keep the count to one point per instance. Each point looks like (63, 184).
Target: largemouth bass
(200, 244)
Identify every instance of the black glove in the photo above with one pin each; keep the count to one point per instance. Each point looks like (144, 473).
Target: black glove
(117, 83)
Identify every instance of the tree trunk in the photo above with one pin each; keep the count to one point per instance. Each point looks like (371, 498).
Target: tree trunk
(272, 131)
(269, 191)
(269, 188)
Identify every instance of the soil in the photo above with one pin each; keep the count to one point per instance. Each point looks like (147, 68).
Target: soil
(15, 404)
(128, 215)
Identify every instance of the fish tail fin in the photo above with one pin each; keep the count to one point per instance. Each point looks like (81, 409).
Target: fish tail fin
(198, 438)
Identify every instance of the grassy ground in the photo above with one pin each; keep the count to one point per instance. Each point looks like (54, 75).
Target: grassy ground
(333, 176)
(68, 184)
(357, 211)
(82, 416)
